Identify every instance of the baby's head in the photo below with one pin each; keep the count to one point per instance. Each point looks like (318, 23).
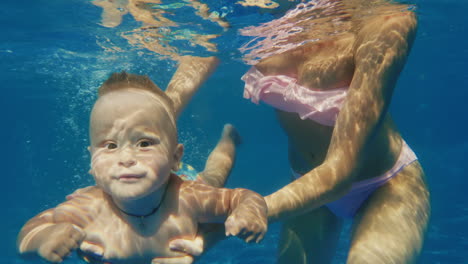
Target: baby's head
(133, 137)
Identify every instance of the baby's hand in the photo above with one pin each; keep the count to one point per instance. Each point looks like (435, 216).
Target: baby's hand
(247, 224)
(192, 248)
(61, 239)
(91, 251)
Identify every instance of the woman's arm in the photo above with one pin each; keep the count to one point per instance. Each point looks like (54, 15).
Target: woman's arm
(189, 76)
(380, 53)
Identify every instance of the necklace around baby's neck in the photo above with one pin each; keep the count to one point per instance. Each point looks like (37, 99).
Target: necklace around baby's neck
(142, 217)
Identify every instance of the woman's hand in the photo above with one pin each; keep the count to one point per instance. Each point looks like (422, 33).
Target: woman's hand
(246, 225)
(249, 217)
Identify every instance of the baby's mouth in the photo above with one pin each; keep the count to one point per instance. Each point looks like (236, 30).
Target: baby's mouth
(130, 177)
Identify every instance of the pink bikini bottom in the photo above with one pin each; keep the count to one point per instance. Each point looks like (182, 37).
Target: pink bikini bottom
(348, 204)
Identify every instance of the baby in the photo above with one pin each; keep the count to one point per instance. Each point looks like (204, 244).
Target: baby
(138, 204)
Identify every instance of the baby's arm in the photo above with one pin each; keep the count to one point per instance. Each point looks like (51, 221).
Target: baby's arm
(245, 210)
(55, 232)
(189, 76)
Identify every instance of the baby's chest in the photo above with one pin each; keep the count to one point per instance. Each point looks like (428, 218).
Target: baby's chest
(138, 240)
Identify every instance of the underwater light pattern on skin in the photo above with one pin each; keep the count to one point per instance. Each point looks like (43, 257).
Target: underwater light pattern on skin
(138, 205)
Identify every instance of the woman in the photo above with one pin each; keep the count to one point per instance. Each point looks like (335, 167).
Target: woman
(347, 157)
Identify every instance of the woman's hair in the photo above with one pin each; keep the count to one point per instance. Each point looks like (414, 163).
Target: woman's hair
(124, 80)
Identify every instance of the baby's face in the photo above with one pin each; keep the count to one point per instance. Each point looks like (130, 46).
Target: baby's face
(133, 144)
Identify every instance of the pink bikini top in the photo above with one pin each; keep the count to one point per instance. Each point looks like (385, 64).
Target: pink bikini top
(283, 93)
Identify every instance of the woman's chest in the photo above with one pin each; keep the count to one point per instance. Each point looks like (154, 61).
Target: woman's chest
(327, 70)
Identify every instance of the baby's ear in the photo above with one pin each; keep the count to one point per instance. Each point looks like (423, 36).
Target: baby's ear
(178, 153)
(90, 153)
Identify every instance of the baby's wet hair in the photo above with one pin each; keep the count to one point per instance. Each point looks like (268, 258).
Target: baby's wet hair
(123, 80)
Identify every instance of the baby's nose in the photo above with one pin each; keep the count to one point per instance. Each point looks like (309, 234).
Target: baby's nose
(127, 162)
(127, 159)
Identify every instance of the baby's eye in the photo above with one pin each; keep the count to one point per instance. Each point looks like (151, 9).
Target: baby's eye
(144, 143)
(110, 145)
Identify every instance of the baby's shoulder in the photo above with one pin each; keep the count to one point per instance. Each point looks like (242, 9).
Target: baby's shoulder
(90, 191)
(194, 186)
(80, 207)
(90, 194)
(198, 189)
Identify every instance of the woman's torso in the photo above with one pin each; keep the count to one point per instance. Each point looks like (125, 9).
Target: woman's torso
(322, 66)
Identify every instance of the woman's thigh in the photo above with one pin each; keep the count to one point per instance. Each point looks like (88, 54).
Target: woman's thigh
(390, 227)
(310, 238)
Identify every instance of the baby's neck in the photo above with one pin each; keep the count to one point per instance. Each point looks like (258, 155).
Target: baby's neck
(145, 206)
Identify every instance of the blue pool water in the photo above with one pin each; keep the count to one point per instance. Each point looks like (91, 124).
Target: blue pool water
(52, 60)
